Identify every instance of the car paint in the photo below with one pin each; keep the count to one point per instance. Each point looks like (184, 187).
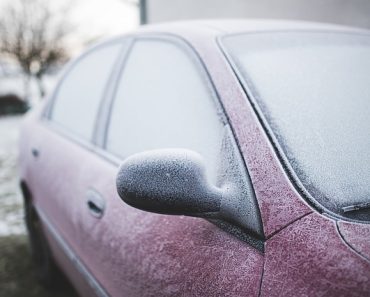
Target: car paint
(309, 258)
(357, 236)
(134, 253)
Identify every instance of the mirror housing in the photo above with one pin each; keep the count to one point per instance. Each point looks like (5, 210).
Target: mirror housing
(174, 181)
(168, 181)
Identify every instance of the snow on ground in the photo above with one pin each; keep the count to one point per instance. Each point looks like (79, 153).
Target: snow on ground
(15, 85)
(11, 205)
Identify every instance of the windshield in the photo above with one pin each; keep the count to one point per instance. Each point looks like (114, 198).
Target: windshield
(312, 89)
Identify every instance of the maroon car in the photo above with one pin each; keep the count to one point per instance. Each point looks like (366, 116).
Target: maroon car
(209, 158)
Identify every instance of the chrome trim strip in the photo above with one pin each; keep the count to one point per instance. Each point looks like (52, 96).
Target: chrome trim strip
(94, 284)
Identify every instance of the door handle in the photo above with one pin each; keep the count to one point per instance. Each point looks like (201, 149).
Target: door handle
(95, 203)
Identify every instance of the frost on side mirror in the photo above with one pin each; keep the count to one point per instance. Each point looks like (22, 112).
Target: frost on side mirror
(174, 182)
(169, 181)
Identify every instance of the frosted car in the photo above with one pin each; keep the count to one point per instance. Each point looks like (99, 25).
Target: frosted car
(225, 158)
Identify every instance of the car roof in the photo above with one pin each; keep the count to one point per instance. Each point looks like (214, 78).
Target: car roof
(208, 29)
(234, 26)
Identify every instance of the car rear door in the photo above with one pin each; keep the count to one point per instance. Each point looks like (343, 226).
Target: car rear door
(63, 142)
(163, 99)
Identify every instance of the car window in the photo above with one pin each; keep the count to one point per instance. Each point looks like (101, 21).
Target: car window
(78, 96)
(164, 100)
(313, 89)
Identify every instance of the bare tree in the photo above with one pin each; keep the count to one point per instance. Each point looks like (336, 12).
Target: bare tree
(33, 32)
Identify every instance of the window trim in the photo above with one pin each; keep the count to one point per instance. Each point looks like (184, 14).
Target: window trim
(105, 105)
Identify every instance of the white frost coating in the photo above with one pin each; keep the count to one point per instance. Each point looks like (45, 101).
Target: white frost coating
(174, 181)
(164, 102)
(81, 91)
(314, 90)
(239, 204)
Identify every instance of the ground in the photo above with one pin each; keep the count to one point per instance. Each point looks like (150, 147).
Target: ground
(17, 278)
(11, 214)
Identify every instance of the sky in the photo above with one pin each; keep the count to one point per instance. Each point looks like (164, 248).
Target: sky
(99, 19)
(95, 19)
(104, 17)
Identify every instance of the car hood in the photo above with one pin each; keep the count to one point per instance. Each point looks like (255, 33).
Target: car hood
(357, 236)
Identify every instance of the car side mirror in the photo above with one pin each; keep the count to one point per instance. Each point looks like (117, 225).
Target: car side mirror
(174, 181)
(169, 181)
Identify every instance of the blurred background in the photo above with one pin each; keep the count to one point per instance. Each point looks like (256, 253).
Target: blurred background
(38, 37)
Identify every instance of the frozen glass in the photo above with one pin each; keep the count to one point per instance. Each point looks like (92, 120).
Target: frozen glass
(164, 101)
(78, 97)
(314, 91)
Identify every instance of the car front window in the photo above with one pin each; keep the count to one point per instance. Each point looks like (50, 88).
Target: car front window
(312, 90)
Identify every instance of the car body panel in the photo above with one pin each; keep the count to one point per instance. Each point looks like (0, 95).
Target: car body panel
(67, 260)
(309, 258)
(357, 236)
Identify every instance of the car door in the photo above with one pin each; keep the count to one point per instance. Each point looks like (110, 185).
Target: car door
(164, 99)
(63, 138)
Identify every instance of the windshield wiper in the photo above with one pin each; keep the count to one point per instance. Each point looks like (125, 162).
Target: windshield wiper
(356, 207)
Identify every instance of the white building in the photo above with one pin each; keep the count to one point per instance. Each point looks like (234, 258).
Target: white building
(346, 12)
